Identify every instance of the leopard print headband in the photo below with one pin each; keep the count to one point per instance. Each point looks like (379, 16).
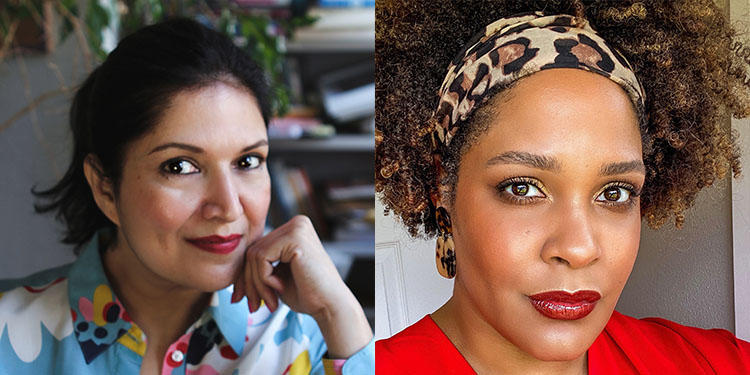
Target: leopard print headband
(511, 48)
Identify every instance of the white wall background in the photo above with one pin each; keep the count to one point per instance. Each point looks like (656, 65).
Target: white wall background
(740, 12)
(407, 285)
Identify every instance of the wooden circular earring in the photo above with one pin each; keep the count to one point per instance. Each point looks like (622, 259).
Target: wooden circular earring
(445, 250)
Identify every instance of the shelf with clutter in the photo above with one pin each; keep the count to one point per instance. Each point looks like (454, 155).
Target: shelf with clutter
(336, 143)
(322, 151)
(338, 29)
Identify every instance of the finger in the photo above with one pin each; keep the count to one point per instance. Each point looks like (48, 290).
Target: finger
(239, 283)
(276, 282)
(250, 292)
(256, 254)
(239, 288)
(280, 277)
(266, 271)
(268, 295)
(252, 275)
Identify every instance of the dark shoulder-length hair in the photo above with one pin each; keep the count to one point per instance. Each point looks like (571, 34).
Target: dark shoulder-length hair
(124, 98)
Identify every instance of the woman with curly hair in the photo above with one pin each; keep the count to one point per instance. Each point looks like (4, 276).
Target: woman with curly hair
(557, 127)
(165, 199)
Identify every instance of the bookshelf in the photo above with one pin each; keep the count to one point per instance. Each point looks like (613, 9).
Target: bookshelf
(337, 143)
(344, 30)
(354, 42)
(361, 248)
(317, 176)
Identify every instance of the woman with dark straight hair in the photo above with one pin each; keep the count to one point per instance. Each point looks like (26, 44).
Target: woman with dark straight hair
(532, 139)
(165, 201)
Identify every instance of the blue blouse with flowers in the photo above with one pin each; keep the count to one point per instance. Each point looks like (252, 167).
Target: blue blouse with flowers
(67, 320)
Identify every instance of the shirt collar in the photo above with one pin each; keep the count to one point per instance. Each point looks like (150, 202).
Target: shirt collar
(231, 318)
(99, 319)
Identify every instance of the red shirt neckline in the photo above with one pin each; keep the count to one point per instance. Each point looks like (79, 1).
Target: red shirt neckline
(626, 346)
(430, 323)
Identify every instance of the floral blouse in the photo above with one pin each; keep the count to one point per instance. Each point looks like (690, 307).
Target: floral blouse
(67, 320)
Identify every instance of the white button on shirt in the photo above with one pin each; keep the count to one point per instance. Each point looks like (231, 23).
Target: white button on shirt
(177, 356)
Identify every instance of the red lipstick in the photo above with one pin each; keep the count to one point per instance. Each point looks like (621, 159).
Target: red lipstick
(562, 305)
(217, 244)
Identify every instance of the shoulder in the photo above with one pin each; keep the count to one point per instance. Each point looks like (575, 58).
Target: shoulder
(37, 279)
(664, 333)
(655, 343)
(423, 332)
(421, 348)
(31, 309)
(20, 294)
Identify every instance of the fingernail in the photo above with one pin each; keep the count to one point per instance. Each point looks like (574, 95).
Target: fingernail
(235, 297)
(249, 305)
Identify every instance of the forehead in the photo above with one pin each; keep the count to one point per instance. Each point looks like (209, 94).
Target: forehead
(565, 113)
(217, 116)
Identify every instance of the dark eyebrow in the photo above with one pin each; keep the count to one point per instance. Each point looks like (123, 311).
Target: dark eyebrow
(198, 150)
(622, 167)
(183, 146)
(546, 163)
(262, 142)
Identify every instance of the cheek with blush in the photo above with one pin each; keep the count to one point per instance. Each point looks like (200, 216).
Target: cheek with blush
(624, 255)
(255, 202)
(156, 209)
(169, 209)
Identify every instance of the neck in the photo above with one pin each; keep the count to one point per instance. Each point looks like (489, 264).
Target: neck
(485, 349)
(162, 309)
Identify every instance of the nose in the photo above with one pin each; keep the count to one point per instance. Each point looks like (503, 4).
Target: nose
(573, 241)
(221, 201)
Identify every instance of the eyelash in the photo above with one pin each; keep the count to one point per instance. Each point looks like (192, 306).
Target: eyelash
(633, 193)
(164, 167)
(514, 199)
(520, 181)
(260, 158)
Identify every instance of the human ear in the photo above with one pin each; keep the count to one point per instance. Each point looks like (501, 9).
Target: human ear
(101, 187)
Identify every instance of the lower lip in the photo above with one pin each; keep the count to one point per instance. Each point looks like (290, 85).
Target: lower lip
(217, 247)
(563, 310)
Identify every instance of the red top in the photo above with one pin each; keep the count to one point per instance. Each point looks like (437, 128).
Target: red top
(626, 346)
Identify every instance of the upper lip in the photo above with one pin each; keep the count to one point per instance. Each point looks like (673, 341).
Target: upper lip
(580, 296)
(215, 238)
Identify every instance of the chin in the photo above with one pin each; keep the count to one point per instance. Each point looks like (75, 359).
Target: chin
(211, 286)
(560, 347)
(213, 278)
(558, 354)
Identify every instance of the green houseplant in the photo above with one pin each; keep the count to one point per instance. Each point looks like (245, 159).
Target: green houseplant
(261, 31)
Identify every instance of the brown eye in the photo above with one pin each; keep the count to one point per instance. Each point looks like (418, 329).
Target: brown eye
(615, 194)
(519, 189)
(612, 194)
(249, 162)
(522, 189)
(179, 166)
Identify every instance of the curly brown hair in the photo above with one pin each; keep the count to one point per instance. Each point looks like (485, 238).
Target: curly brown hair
(685, 53)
